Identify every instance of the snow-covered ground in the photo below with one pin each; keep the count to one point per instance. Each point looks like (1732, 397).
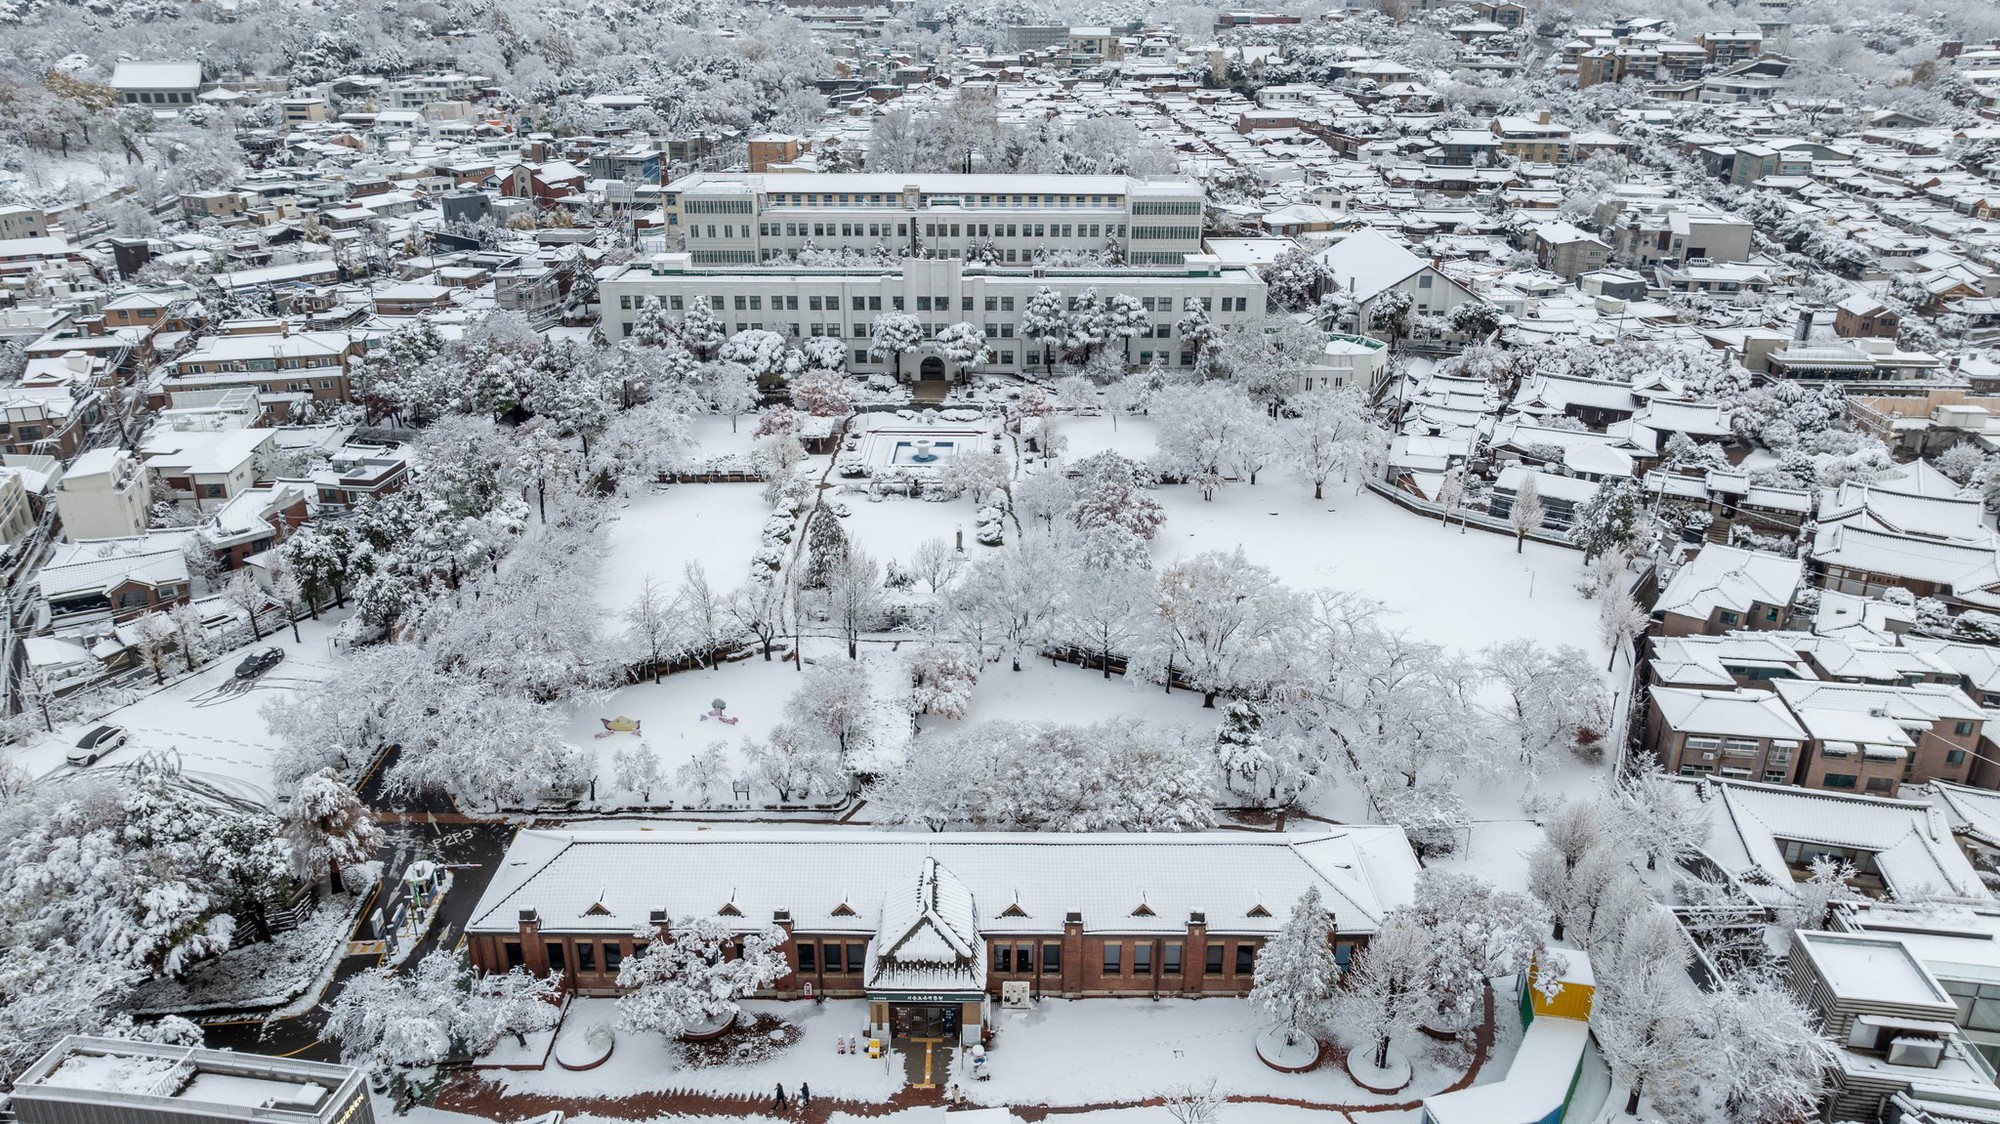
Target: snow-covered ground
(671, 711)
(656, 536)
(212, 725)
(1099, 1051)
(647, 1062)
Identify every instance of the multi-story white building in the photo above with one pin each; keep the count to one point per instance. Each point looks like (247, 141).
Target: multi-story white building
(843, 303)
(735, 218)
(104, 495)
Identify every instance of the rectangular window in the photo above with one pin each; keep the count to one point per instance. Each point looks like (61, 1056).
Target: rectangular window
(833, 961)
(586, 957)
(742, 303)
(1142, 959)
(1962, 729)
(923, 304)
(965, 304)
(674, 303)
(854, 951)
(1246, 958)
(992, 304)
(860, 353)
(1881, 784)
(557, 962)
(1114, 955)
(512, 951)
(859, 304)
(1170, 958)
(1213, 964)
(1003, 957)
(1954, 756)
(1051, 959)
(1423, 281)
(1839, 780)
(808, 957)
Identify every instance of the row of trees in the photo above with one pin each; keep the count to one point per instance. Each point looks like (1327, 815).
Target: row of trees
(1741, 1052)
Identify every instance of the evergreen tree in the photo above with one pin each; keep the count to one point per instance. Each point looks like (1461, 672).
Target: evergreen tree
(1611, 519)
(1239, 744)
(1296, 970)
(826, 549)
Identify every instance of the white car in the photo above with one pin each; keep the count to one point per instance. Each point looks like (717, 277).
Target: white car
(95, 745)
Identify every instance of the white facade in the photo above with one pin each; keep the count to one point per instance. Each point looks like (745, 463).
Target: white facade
(103, 496)
(736, 218)
(842, 303)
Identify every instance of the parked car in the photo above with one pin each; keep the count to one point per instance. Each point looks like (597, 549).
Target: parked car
(259, 662)
(96, 744)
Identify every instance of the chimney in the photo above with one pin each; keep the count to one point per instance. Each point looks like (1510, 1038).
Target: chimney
(1542, 117)
(1805, 324)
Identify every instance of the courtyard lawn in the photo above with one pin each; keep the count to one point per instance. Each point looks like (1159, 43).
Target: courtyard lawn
(656, 536)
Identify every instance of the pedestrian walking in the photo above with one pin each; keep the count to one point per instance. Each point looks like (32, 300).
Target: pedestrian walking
(778, 1102)
(805, 1096)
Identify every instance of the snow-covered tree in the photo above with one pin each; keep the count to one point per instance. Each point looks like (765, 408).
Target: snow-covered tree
(853, 598)
(1527, 514)
(1552, 696)
(329, 827)
(691, 981)
(834, 698)
(1334, 432)
(1619, 620)
(1045, 322)
(1613, 519)
(1652, 815)
(1761, 1060)
(1203, 431)
(1829, 881)
(400, 1025)
(1106, 611)
(941, 679)
(894, 335)
(1476, 933)
(637, 770)
(1125, 317)
(1296, 971)
(822, 393)
(797, 763)
(511, 1004)
(1643, 1014)
(763, 353)
(1239, 744)
(963, 346)
(1293, 279)
(1020, 593)
(1198, 333)
(1220, 620)
(1385, 992)
(706, 775)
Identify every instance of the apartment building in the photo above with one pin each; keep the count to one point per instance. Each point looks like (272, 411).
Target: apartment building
(298, 365)
(842, 303)
(732, 218)
(1537, 140)
(103, 495)
(1737, 734)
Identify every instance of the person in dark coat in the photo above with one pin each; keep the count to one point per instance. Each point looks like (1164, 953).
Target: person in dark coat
(805, 1096)
(778, 1102)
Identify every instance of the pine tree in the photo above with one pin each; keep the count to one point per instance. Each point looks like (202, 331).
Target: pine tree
(826, 549)
(1239, 744)
(1296, 970)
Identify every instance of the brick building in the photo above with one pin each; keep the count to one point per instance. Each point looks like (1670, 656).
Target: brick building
(930, 927)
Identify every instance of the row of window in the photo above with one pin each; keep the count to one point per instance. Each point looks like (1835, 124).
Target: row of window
(1165, 233)
(887, 199)
(789, 302)
(718, 207)
(1167, 207)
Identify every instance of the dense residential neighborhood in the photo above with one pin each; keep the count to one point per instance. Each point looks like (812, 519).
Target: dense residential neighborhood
(1413, 561)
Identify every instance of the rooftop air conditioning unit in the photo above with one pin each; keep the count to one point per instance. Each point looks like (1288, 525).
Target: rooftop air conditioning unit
(1014, 995)
(1912, 1051)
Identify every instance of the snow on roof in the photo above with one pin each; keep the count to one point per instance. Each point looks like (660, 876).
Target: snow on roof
(930, 183)
(1731, 578)
(1732, 713)
(1368, 261)
(1912, 843)
(1963, 568)
(156, 76)
(1973, 811)
(102, 565)
(928, 937)
(1362, 871)
(1871, 969)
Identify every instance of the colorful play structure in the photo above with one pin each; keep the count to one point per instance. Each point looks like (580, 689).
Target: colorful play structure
(618, 725)
(1538, 1086)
